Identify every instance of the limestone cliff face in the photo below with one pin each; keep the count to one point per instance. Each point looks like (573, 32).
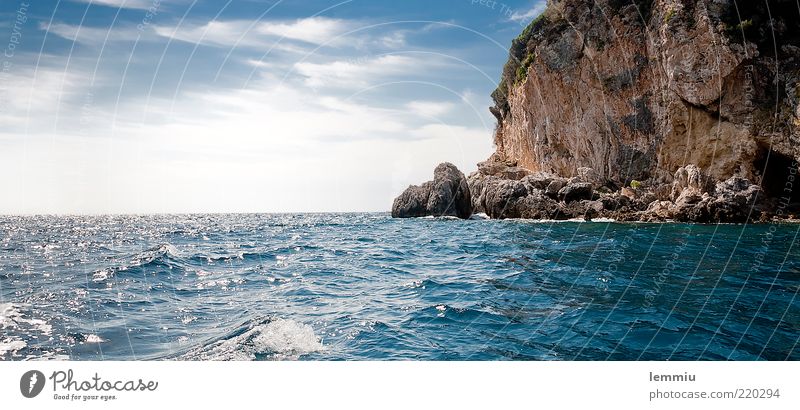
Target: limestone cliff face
(635, 89)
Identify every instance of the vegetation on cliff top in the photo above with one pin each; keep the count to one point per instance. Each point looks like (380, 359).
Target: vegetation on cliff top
(519, 60)
(549, 24)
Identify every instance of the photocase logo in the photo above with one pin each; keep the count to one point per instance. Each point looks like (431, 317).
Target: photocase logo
(31, 383)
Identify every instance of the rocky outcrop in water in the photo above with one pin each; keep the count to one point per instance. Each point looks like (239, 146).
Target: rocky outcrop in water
(503, 190)
(447, 195)
(692, 197)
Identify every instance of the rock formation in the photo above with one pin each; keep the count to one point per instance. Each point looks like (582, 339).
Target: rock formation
(635, 89)
(447, 195)
(648, 110)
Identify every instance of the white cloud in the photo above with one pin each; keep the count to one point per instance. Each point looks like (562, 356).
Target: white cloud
(394, 40)
(40, 93)
(430, 108)
(224, 33)
(269, 147)
(449, 132)
(96, 35)
(125, 4)
(260, 63)
(297, 36)
(273, 145)
(313, 30)
(529, 15)
(361, 72)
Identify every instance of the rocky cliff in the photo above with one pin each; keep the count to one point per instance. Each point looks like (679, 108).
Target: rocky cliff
(634, 90)
(661, 109)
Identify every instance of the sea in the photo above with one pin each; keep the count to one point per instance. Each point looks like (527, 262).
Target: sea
(364, 286)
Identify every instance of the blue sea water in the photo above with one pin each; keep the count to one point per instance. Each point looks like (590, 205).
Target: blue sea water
(365, 287)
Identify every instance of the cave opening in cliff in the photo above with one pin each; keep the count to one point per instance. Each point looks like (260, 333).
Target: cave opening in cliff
(780, 178)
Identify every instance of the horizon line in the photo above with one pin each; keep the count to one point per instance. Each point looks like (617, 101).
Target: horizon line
(192, 213)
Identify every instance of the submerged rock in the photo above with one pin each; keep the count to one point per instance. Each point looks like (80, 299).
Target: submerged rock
(447, 195)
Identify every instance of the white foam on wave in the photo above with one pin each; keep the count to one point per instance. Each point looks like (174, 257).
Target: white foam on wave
(219, 283)
(11, 346)
(46, 356)
(93, 338)
(12, 317)
(101, 275)
(163, 250)
(557, 221)
(12, 320)
(279, 339)
(607, 220)
(7, 314)
(287, 337)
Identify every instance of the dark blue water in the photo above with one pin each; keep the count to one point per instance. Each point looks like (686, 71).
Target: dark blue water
(364, 286)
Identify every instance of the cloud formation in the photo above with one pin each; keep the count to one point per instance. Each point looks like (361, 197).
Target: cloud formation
(124, 4)
(530, 14)
(203, 116)
(246, 33)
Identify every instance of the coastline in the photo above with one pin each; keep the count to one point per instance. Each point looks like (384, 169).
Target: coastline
(503, 190)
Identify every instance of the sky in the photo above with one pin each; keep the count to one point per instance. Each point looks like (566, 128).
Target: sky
(182, 106)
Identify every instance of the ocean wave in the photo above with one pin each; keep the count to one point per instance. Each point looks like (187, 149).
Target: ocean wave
(426, 284)
(160, 256)
(157, 253)
(16, 325)
(469, 316)
(11, 346)
(269, 339)
(606, 220)
(388, 289)
(11, 317)
(90, 338)
(239, 256)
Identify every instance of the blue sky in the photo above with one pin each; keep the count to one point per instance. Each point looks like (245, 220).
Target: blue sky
(138, 106)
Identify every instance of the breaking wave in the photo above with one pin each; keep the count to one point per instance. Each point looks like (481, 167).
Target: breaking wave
(270, 339)
(15, 326)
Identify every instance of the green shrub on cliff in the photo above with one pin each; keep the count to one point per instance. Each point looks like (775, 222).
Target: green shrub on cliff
(522, 71)
(745, 25)
(519, 60)
(670, 14)
(762, 23)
